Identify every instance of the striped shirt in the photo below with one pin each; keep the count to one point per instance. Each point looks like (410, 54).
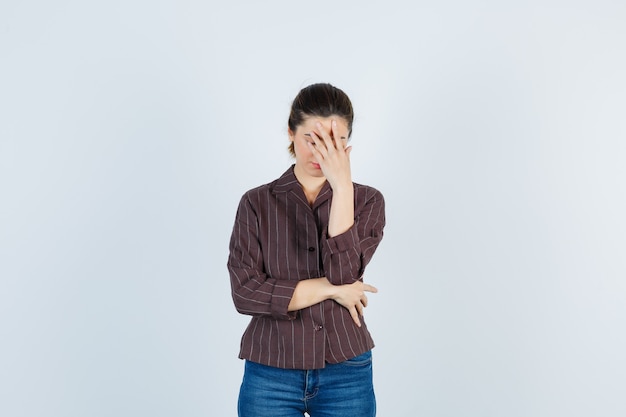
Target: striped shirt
(279, 239)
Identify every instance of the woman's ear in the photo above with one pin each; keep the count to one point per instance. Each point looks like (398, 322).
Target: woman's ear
(291, 134)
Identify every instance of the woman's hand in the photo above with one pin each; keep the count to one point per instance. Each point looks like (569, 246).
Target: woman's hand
(352, 297)
(333, 154)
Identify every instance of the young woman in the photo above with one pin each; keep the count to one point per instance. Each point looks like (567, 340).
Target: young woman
(298, 251)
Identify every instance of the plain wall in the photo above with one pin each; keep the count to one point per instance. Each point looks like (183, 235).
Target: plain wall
(496, 131)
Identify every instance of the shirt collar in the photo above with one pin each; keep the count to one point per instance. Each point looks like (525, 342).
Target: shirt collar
(289, 183)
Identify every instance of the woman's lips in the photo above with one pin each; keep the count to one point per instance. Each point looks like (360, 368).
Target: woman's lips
(315, 165)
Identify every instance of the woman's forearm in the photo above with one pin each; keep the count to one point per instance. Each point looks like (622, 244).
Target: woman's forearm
(351, 296)
(341, 210)
(309, 292)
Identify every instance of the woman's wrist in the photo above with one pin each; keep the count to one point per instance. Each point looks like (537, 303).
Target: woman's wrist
(330, 290)
(343, 187)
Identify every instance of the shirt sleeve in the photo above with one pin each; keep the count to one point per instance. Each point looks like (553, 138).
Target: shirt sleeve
(253, 291)
(345, 256)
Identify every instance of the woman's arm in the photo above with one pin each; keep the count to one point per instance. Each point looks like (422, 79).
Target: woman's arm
(333, 154)
(345, 256)
(313, 291)
(254, 292)
(357, 213)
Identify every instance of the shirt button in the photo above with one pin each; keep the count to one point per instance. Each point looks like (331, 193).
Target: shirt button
(318, 327)
(311, 249)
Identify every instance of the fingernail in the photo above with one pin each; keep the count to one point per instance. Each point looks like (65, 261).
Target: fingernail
(334, 123)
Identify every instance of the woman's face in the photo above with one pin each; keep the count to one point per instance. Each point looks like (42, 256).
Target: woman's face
(305, 161)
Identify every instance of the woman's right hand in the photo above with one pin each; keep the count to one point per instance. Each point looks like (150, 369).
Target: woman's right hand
(352, 297)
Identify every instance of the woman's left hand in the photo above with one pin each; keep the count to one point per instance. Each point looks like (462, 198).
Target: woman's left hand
(333, 154)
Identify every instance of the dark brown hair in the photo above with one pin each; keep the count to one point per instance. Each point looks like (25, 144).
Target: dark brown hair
(319, 100)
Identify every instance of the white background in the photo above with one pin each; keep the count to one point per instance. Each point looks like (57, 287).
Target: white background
(496, 131)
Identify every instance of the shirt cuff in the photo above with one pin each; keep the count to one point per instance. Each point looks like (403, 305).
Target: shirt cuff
(343, 242)
(281, 297)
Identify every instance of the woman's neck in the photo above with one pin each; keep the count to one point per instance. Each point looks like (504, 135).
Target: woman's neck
(310, 185)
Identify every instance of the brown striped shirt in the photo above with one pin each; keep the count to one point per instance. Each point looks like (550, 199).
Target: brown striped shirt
(279, 239)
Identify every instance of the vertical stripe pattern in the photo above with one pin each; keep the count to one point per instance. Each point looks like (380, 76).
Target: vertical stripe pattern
(277, 240)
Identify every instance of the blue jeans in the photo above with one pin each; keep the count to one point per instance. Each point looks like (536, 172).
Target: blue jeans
(338, 390)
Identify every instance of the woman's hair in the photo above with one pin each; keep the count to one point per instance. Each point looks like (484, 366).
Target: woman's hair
(319, 100)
